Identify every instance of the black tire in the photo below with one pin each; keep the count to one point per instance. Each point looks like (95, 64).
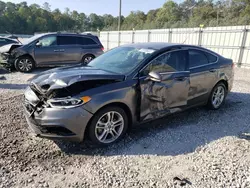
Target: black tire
(212, 105)
(87, 58)
(24, 64)
(92, 131)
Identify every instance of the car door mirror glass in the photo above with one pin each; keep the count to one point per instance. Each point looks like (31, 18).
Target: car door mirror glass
(154, 76)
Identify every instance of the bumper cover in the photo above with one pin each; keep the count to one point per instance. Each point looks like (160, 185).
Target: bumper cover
(52, 123)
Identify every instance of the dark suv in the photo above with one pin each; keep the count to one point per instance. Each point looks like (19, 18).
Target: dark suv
(51, 49)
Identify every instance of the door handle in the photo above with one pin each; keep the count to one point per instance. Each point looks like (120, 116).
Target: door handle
(62, 50)
(212, 70)
(56, 50)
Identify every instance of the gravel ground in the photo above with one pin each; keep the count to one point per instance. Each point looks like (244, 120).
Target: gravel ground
(197, 148)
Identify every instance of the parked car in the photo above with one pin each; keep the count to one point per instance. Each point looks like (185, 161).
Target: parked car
(124, 87)
(53, 49)
(5, 41)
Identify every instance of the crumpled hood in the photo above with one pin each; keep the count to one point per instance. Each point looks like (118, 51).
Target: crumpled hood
(6, 48)
(66, 76)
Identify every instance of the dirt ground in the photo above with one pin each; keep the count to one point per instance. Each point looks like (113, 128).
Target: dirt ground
(202, 148)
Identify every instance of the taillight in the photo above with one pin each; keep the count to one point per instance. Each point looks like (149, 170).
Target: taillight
(102, 49)
(233, 65)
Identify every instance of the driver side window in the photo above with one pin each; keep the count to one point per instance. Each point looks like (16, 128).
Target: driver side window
(48, 41)
(167, 62)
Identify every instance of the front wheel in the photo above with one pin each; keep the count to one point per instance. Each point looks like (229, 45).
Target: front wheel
(217, 96)
(24, 64)
(108, 126)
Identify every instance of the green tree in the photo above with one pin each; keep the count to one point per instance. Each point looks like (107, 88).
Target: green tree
(168, 14)
(135, 20)
(21, 18)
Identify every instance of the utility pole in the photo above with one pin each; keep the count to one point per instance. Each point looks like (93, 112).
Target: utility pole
(120, 14)
(217, 17)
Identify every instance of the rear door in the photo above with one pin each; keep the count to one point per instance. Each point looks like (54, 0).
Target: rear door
(169, 95)
(70, 50)
(203, 75)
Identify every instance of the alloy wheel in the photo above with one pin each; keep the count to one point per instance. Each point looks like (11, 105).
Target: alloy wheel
(87, 59)
(25, 65)
(109, 127)
(218, 96)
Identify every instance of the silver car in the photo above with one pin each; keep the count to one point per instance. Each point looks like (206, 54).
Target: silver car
(51, 49)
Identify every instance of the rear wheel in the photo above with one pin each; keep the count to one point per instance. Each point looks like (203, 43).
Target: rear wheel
(217, 97)
(87, 58)
(25, 64)
(108, 126)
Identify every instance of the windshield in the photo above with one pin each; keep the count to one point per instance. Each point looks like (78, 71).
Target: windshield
(31, 39)
(121, 60)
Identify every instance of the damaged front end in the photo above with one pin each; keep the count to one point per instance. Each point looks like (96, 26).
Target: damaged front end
(59, 95)
(7, 58)
(54, 108)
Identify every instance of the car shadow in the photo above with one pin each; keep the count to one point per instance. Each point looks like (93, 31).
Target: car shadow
(176, 134)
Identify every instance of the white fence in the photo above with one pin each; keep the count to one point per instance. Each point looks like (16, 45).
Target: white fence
(231, 42)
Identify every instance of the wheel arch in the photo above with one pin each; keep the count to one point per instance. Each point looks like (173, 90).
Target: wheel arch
(224, 82)
(25, 55)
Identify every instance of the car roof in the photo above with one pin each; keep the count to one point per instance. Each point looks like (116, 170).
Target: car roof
(158, 45)
(164, 45)
(152, 45)
(68, 34)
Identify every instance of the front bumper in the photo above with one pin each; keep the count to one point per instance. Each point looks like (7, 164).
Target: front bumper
(54, 123)
(7, 61)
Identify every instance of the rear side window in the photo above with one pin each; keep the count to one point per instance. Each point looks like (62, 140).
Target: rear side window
(211, 58)
(197, 58)
(86, 41)
(67, 40)
(168, 62)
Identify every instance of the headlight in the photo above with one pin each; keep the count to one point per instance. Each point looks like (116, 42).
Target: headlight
(68, 102)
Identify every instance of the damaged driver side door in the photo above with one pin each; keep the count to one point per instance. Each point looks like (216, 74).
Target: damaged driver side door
(164, 85)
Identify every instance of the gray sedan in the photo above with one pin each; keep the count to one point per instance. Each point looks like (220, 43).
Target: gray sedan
(124, 87)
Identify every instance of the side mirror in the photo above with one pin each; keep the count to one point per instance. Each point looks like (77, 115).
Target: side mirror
(154, 76)
(38, 44)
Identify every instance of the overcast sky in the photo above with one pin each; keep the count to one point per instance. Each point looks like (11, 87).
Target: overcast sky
(100, 6)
